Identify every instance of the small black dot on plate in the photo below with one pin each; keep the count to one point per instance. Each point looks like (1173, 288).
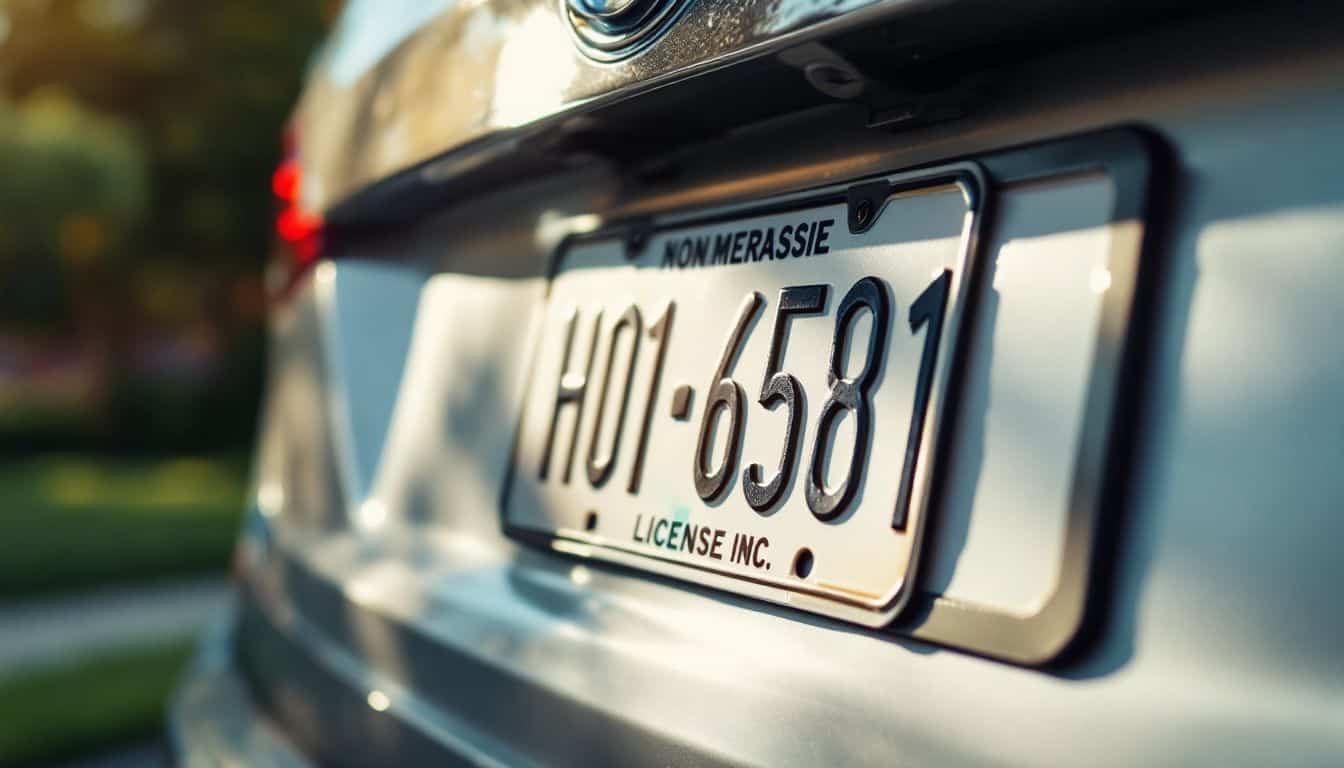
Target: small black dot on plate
(802, 563)
(590, 522)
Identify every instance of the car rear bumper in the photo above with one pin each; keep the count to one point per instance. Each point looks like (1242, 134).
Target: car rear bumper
(213, 719)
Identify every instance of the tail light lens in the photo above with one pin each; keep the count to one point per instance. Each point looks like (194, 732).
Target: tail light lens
(299, 231)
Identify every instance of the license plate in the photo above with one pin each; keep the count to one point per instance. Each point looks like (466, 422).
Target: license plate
(751, 399)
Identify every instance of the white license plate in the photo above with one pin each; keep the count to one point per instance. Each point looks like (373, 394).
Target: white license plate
(752, 399)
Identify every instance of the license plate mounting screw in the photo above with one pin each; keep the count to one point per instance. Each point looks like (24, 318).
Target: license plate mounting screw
(862, 212)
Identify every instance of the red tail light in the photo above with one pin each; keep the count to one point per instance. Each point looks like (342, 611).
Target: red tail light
(300, 231)
(285, 180)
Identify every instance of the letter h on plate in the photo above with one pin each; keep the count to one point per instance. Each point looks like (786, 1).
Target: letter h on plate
(570, 391)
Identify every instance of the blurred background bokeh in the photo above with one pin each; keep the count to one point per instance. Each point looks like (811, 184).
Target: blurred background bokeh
(137, 140)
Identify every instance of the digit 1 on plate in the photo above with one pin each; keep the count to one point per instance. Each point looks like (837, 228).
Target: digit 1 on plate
(658, 332)
(928, 310)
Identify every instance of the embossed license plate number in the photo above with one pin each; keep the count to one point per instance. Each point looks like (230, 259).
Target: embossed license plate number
(753, 401)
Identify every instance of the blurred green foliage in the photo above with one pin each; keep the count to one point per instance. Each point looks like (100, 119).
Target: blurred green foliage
(74, 186)
(110, 698)
(72, 521)
(137, 139)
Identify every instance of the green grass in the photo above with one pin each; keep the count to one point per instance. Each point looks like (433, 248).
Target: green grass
(72, 521)
(98, 702)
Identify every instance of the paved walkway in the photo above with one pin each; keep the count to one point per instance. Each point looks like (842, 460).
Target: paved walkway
(49, 630)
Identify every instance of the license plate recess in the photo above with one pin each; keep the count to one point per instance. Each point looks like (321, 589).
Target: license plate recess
(764, 398)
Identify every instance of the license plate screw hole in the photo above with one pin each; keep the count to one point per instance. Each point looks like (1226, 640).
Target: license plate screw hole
(863, 212)
(590, 521)
(802, 563)
(635, 240)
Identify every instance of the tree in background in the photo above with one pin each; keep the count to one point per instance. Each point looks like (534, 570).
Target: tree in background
(73, 189)
(136, 142)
